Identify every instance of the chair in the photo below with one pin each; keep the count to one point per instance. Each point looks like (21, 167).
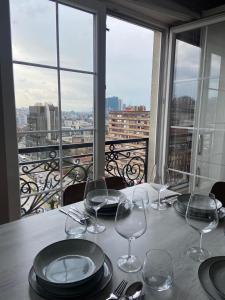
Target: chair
(75, 192)
(218, 190)
(115, 183)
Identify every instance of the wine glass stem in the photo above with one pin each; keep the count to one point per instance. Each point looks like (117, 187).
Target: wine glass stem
(129, 249)
(159, 200)
(96, 218)
(200, 246)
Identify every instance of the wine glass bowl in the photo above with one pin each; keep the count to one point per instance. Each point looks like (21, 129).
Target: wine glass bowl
(159, 184)
(130, 223)
(202, 216)
(97, 184)
(94, 200)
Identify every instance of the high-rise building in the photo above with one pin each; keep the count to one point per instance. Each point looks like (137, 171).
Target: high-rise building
(113, 104)
(42, 117)
(131, 123)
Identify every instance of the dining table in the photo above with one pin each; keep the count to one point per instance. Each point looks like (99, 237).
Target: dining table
(21, 240)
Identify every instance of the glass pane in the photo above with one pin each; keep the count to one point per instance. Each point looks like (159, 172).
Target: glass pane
(180, 149)
(211, 160)
(36, 97)
(188, 55)
(33, 27)
(76, 31)
(77, 97)
(183, 104)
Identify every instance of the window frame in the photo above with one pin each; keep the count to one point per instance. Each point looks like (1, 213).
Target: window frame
(198, 24)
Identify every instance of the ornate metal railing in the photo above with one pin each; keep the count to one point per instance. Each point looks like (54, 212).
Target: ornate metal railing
(44, 173)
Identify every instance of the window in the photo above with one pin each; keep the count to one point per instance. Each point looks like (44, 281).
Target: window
(197, 130)
(59, 81)
(54, 97)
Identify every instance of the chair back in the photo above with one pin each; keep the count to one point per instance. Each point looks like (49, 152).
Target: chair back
(75, 192)
(115, 183)
(218, 190)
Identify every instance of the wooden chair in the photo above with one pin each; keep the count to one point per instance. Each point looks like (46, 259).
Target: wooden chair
(218, 190)
(75, 192)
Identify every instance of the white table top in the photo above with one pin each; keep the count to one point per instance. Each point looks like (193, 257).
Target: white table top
(21, 240)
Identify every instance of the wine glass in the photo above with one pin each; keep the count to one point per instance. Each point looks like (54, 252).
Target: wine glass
(158, 182)
(94, 184)
(96, 199)
(201, 215)
(130, 223)
(140, 193)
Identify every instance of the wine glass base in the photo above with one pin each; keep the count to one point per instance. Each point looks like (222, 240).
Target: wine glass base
(156, 206)
(129, 264)
(198, 254)
(96, 228)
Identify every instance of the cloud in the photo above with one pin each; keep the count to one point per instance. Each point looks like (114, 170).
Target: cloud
(129, 62)
(129, 56)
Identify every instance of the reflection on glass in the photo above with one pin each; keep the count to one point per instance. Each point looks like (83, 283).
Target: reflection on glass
(188, 55)
(180, 146)
(76, 38)
(33, 29)
(183, 103)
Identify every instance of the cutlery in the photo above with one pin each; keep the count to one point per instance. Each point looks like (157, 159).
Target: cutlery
(134, 291)
(72, 215)
(80, 215)
(118, 291)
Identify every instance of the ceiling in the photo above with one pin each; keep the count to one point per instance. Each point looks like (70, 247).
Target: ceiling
(170, 12)
(200, 5)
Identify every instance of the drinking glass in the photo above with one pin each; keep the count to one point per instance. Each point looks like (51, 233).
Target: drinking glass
(157, 270)
(96, 199)
(94, 184)
(74, 227)
(159, 184)
(140, 193)
(130, 223)
(201, 215)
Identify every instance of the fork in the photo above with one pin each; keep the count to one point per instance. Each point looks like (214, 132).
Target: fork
(118, 291)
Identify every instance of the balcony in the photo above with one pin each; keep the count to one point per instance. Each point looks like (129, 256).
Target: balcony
(44, 174)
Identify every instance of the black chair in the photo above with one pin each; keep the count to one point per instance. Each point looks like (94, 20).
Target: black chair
(75, 192)
(218, 190)
(115, 183)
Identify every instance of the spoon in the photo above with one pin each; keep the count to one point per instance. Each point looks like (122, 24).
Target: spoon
(133, 291)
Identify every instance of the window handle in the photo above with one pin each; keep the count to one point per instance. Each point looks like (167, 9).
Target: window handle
(200, 144)
(198, 173)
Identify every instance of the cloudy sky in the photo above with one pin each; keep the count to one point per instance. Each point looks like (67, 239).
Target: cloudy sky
(128, 61)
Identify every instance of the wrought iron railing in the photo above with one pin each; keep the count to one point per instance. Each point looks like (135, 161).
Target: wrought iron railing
(44, 173)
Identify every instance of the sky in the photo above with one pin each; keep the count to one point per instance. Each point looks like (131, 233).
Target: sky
(128, 61)
(129, 50)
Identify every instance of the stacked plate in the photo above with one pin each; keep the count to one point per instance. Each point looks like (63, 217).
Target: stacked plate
(109, 209)
(211, 275)
(70, 269)
(198, 212)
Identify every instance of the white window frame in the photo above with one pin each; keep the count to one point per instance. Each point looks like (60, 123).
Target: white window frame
(169, 83)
